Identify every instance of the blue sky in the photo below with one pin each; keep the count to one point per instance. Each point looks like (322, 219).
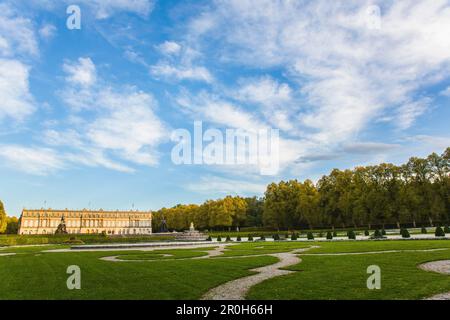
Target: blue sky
(86, 116)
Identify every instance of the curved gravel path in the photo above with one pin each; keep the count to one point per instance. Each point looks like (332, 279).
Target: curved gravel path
(6, 254)
(442, 267)
(237, 289)
(210, 253)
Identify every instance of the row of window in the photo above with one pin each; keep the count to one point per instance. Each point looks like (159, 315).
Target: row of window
(87, 223)
(95, 231)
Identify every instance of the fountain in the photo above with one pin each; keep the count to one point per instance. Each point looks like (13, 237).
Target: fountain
(191, 235)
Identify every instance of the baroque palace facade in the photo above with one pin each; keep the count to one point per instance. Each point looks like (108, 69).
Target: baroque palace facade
(46, 221)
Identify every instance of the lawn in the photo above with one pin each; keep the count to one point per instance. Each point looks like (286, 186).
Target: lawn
(344, 277)
(33, 274)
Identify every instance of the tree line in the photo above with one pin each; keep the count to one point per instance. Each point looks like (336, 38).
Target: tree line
(415, 193)
(8, 225)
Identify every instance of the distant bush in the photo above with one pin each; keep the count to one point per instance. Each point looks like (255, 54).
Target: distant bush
(238, 238)
(263, 238)
(439, 232)
(310, 236)
(377, 234)
(250, 237)
(383, 232)
(447, 229)
(228, 239)
(405, 233)
(351, 235)
(424, 230)
(329, 235)
(209, 238)
(334, 234)
(320, 234)
(294, 236)
(366, 232)
(219, 239)
(276, 237)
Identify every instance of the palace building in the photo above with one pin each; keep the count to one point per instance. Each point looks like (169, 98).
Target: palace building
(46, 221)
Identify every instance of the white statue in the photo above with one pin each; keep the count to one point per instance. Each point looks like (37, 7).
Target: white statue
(191, 228)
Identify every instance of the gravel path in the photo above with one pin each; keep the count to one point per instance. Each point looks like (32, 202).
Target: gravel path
(372, 252)
(442, 267)
(210, 253)
(6, 254)
(237, 289)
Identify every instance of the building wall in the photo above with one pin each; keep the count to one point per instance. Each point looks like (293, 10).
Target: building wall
(86, 222)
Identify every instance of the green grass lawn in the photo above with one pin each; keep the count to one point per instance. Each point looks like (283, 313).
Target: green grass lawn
(36, 275)
(344, 277)
(33, 274)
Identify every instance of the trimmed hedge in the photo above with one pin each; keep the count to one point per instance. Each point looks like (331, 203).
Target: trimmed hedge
(439, 232)
(424, 230)
(405, 233)
(329, 235)
(310, 236)
(351, 235)
(250, 237)
(238, 238)
(366, 233)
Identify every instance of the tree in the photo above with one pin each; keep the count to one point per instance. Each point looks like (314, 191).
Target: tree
(3, 221)
(12, 225)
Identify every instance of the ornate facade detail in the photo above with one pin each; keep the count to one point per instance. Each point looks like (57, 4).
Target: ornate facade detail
(46, 221)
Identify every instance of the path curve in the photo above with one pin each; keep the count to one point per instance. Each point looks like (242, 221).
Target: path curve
(6, 254)
(442, 267)
(210, 253)
(237, 289)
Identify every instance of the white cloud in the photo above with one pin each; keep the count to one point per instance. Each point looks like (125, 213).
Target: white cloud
(350, 75)
(106, 8)
(168, 71)
(48, 31)
(446, 92)
(209, 108)
(169, 48)
(226, 186)
(16, 100)
(120, 129)
(409, 112)
(37, 161)
(265, 90)
(83, 72)
(17, 36)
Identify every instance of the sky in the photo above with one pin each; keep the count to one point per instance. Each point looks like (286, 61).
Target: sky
(87, 115)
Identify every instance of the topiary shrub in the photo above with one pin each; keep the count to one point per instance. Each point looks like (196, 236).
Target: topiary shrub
(377, 234)
(310, 236)
(209, 238)
(238, 238)
(446, 229)
(276, 237)
(351, 235)
(439, 232)
(405, 233)
(250, 238)
(334, 234)
(329, 235)
(228, 239)
(294, 236)
(219, 239)
(321, 234)
(383, 232)
(424, 230)
(366, 232)
(263, 238)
